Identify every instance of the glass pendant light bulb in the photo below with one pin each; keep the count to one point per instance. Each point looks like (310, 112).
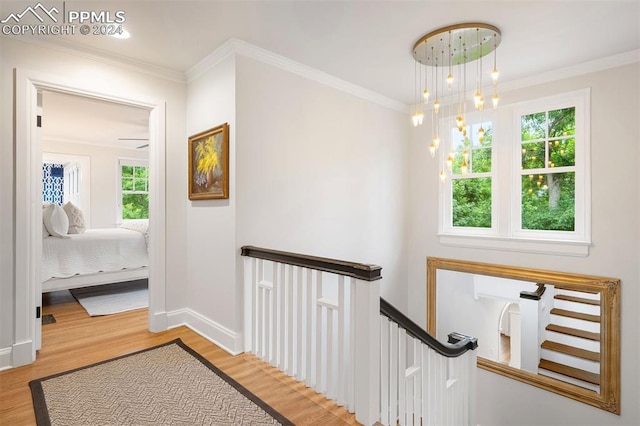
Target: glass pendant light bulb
(425, 95)
(420, 117)
(414, 119)
(464, 167)
(450, 81)
(495, 99)
(481, 134)
(443, 176)
(436, 141)
(481, 103)
(459, 122)
(476, 98)
(494, 75)
(432, 150)
(436, 106)
(450, 160)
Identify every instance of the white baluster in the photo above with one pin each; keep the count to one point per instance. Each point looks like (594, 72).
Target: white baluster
(290, 321)
(301, 353)
(402, 376)
(309, 379)
(318, 333)
(250, 284)
(351, 394)
(342, 354)
(384, 370)
(417, 362)
(281, 327)
(393, 371)
(329, 390)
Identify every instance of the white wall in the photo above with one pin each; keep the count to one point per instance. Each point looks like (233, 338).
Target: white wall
(474, 317)
(212, 284)
(614, 253)
(321, 172)
(312, 170)
(104, 77)
(103, 176)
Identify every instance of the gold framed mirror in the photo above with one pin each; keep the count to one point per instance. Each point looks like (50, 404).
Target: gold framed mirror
(555, 330)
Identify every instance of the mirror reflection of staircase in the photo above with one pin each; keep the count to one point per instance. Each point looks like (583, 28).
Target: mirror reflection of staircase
(570, 350)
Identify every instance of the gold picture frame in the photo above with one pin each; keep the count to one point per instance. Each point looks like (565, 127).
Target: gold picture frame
(209, 164)
(608, 289)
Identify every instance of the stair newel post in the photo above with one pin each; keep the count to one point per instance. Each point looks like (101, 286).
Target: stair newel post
(531, 305)
(367, 351)
(366, 345)
(250, 280)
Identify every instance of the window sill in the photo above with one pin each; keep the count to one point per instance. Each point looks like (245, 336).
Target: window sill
(526, 245)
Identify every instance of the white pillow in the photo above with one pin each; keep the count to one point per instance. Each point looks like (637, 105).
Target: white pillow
(56, 221)
(76, 218)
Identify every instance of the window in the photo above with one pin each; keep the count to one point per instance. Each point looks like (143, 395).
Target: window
(470, 160)
(525, 184)
(133, 185)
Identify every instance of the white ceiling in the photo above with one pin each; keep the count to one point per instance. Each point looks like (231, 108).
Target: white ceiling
(69, 118)
(367, 43)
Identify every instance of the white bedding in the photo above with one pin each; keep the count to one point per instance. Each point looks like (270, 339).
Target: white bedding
(96, 250)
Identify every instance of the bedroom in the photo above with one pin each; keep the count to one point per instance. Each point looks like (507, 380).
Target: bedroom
(95, 166)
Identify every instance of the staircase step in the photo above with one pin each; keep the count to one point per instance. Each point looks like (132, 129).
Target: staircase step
(573, 332)
(576, 315)
(571, 350)
(565, 370)
(593, 302)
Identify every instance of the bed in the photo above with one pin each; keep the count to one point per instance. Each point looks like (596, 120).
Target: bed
(94, 257)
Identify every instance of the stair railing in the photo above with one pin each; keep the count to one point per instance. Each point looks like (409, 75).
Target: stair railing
(424, 381)
(322, 322)
(317, 320)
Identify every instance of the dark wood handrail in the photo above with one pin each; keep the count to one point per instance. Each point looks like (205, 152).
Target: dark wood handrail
(463, 345)
(360, 271)
(533, 295)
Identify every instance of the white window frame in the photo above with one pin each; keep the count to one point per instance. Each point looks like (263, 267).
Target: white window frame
(446, 190)
(506, 201)
(126, 162)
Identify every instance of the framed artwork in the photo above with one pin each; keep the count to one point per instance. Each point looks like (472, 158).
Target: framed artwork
(209, 164)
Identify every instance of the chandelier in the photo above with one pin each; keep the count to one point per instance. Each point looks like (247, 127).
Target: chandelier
(449, 69)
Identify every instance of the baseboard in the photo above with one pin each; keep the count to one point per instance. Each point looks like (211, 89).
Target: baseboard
(210, 330)
(16, 356)
(158, 322)
(5, 359)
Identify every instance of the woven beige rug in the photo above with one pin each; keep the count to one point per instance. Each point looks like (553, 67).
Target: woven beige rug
(169, 384)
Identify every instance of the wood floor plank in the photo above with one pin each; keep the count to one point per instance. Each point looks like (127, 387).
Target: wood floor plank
(77, 340)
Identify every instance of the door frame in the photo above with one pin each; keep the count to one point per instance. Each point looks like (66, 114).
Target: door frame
(28, 202)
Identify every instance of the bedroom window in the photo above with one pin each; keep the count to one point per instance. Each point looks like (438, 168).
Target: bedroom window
(133, 185)
(532, 192)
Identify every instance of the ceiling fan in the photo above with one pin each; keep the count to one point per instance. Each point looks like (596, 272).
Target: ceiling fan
(136, 139)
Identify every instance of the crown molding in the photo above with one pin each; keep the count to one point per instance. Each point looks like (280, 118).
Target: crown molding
(235, 46)
(107, 58)
(576, 70)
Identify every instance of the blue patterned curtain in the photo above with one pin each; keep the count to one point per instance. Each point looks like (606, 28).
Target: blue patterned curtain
(52, 183)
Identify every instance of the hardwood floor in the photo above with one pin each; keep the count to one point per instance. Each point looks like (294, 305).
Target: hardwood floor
(76, 340)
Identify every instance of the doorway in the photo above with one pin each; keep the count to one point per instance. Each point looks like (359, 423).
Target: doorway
(88, 148)
(27, 325)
